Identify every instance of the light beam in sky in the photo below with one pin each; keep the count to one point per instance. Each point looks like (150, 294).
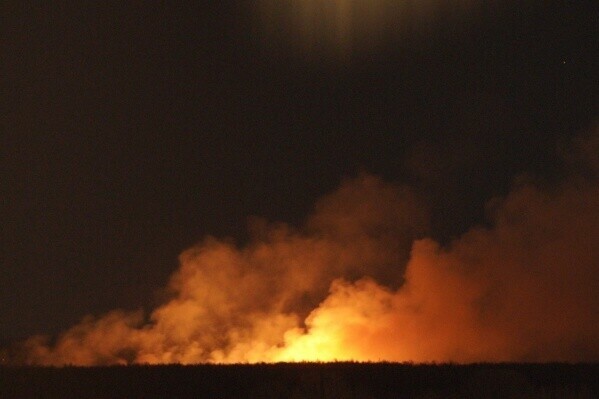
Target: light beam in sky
(341, 26)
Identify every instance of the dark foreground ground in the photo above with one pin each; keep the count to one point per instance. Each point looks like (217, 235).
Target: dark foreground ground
(305, 380)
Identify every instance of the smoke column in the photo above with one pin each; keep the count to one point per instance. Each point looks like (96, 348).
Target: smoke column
(359, 281)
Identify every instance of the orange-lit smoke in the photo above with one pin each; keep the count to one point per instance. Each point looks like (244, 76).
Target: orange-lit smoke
(359, 282)
(524, 290)
(232, 304)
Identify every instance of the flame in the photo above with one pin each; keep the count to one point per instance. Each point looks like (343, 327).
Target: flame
(351, 311)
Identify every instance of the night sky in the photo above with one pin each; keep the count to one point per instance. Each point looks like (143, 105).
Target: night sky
(131, 131)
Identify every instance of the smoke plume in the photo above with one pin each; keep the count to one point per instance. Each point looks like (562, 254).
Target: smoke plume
(359, 281)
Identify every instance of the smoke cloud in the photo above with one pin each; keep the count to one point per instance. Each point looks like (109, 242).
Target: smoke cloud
(359, 281)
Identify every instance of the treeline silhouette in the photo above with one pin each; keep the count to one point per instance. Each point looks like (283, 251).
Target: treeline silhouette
(305, 380)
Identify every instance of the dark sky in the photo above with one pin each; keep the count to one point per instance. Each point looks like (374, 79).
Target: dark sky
(130, 131)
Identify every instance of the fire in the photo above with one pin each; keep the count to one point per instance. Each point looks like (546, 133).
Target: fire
(323, 347)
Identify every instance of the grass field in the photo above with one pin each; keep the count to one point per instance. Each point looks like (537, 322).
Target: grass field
(305, 380)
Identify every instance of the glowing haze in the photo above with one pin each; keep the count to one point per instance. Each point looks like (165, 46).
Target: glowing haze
(359, 281)
(340, 26)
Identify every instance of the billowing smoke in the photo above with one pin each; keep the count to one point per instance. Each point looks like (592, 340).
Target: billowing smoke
(360, 282)
(234, 304)
(523, 290)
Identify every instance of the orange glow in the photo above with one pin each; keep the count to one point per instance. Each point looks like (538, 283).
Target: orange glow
(323, 347)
